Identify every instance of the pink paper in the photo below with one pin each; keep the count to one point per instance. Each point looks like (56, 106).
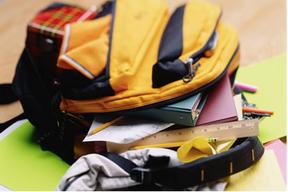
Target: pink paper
(220, 106)
(279, 149)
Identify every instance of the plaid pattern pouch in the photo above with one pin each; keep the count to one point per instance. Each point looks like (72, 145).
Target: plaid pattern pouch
(45, 33)
(51, 21)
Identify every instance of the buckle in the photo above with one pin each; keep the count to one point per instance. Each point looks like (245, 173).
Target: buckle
(141, 175)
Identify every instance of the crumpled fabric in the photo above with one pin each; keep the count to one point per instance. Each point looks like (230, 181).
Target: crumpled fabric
(96, 172)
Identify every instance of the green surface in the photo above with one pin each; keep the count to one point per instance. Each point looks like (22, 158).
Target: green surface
(24, 166)
(270, 78)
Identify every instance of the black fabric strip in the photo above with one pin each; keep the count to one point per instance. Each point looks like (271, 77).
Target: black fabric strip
(107, 66)
(172, 39)
(169, 68)
(233, 76)
(124, 163)
(204, 170)
(6, 124)
(92, 91)
(75, 86)
(105, 9)
(7, 94)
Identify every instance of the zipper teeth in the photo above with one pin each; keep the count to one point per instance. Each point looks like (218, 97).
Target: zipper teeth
(203, 49)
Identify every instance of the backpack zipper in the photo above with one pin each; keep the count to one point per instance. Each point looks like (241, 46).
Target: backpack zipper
(192, 68)
(192, 63)
(167, 102)
(202, 89)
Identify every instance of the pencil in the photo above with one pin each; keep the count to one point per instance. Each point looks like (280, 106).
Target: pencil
(105, 125)
(262, 111)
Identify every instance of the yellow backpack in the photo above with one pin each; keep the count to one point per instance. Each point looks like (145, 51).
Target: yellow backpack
(137, 55)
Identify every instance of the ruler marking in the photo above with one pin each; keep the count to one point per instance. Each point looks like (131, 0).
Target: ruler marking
(228, 130)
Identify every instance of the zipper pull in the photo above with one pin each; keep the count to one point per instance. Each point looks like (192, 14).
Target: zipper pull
(192, 68)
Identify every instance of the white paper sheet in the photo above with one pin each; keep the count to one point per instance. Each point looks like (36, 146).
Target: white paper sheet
(126, 130)
(238, 105)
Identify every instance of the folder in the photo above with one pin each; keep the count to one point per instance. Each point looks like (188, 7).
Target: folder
(220, 106)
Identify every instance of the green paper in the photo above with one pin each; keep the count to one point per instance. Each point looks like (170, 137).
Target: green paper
(24, 166)
(270, 78)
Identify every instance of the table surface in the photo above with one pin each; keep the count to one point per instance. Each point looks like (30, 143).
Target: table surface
(260, 23)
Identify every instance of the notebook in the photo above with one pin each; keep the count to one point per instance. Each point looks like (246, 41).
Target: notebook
(184, 112)
(220, 106)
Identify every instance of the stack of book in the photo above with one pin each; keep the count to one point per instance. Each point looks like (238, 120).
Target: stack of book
(214, 106)
(215, 113)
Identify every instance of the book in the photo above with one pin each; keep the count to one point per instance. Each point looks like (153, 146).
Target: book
(184, 112)
(220, 106)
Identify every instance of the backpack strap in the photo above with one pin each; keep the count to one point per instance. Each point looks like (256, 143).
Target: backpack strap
(245, 153)
(7, 94)
(218, 166)
(6, 124)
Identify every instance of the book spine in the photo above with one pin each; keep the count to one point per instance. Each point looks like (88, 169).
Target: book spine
(169, 116)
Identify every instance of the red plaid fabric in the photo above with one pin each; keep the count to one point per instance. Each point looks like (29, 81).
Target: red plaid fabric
(51, 21)
(45, 34)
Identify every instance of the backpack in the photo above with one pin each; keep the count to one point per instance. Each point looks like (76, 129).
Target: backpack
(141, 58)
(167, 58)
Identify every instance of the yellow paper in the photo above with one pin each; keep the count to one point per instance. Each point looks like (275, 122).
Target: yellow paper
(194, 149)
(221, 146)
(264, 175)
(200, 147)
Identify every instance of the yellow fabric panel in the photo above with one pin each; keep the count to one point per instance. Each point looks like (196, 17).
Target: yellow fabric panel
(98, 48)
(85, 46)
(142, 80)
(133, 34)
(135, 97)
(92, 29)
(198, 27)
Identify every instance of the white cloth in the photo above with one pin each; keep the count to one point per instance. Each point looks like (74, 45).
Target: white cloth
(96, 172)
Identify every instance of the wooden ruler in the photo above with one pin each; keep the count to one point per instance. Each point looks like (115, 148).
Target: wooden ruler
(174, 138)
